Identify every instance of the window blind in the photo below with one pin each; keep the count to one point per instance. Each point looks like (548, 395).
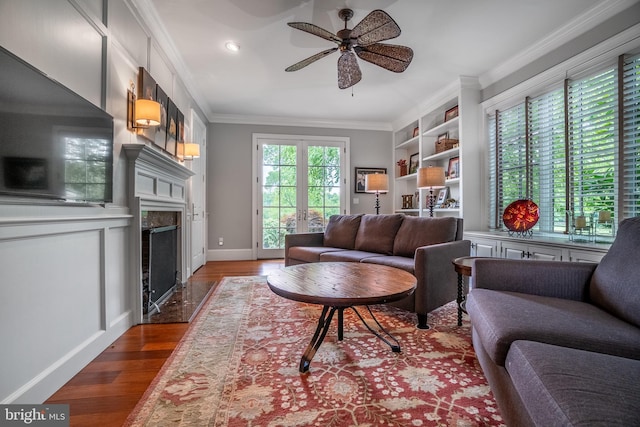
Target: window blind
(491, 162)
(631, 137)
(546, 130)
(511, 160)
(592, 143)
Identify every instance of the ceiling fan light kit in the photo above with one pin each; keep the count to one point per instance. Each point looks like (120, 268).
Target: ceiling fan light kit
(364, 41)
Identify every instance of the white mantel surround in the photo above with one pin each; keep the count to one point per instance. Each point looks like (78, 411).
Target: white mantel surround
(156, 182)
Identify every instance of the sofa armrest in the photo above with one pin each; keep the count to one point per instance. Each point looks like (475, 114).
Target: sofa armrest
(568, 280)
(436, 277)
(301, 239)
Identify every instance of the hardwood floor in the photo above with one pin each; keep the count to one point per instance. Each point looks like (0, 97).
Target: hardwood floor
(108, 388)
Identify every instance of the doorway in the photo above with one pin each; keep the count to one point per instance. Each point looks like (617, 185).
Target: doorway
(300, 181)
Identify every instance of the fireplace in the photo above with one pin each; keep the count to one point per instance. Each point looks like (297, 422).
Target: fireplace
(157, 198)
(160, 266)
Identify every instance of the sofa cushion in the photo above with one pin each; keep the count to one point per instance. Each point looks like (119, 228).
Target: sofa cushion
(309, 253)
(346, 256)
(501, 317)
(614, 285)
(562, 386)
(377, 233)
(403, 263)
(341, 231)
(421, 231)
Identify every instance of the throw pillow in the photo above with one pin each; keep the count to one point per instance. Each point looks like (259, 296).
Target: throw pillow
(415, 232)
(377, 232)
(341, 231)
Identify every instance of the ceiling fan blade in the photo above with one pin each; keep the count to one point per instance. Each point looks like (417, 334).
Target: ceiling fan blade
(390, 56)
(315, 30)
(348, 70)
(375, 27)
(309, 60)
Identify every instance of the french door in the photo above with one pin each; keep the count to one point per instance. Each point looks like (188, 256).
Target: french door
(300, 183)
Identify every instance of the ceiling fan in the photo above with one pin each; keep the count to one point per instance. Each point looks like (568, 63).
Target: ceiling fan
(364, 40)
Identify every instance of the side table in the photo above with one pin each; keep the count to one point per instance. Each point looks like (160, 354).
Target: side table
(464, 267)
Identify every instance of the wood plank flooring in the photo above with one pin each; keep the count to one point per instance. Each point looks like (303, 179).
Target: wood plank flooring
(108, 388)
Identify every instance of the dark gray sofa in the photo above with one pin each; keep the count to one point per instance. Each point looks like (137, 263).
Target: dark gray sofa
(422, 246)
(559, 342)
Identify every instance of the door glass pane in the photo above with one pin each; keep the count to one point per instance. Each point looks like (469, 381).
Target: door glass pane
(323, 192)
(279, 205)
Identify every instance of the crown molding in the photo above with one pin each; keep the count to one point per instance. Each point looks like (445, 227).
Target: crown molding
(298, 122)
(158, 32)
(574, 28)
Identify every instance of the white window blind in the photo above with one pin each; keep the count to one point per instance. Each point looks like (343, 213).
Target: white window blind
(631, 137)
(511, 162)
(492, 169)
(592, 144)
(547, 159)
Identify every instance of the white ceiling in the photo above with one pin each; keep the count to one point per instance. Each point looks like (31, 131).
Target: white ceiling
(450, 38)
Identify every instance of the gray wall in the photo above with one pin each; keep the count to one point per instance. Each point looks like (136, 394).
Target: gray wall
(229, 172)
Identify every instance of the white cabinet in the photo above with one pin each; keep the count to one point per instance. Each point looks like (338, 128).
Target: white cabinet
(485, 248)
(585, 256)
(500, 245)
(514, 250)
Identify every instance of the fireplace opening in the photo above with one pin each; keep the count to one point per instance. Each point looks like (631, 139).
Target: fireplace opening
(160, 259)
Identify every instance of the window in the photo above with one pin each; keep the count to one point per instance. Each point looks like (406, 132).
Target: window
(563, 149)
(630, 177)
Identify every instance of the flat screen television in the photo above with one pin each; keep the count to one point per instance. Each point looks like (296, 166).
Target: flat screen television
(54, 144)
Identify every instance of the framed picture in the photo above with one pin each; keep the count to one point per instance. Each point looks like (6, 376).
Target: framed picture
(160, 137)
(454, 168)
(172, 128)
(414, 161)
(416, 131)
(361, 173)
(146, 90)
(443, 194)
(451, 113)
(180, 117)
(443, 136)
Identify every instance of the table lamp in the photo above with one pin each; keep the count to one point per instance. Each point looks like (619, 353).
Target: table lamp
(376, 183)
(431, 177)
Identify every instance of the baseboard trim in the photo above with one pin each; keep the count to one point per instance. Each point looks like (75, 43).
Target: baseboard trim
(229, 255)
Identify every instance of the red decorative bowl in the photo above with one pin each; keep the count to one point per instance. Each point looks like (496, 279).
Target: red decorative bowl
(520, 215)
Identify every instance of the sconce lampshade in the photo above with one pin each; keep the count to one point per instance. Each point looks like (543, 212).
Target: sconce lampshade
(376, 183)
(191, 150)
(431, 177)
(147, 112)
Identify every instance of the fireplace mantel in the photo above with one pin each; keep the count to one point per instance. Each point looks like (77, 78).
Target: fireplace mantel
(156, 182)
(155, 175)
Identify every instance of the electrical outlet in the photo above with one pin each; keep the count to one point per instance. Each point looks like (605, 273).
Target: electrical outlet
(220, 241)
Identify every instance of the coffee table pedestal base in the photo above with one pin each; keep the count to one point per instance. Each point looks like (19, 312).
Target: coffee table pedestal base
(323, 327)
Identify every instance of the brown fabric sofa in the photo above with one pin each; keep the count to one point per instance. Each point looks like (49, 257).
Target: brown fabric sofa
(559, 342)
(422, 246)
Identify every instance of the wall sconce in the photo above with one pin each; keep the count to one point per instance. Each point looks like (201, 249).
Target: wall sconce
(431, 177)
(376, 183)
(188, 150)
(141, 113)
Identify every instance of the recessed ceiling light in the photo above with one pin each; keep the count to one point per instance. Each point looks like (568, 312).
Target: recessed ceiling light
(232, 46)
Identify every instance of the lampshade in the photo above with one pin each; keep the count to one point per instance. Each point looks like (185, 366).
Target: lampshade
(147, 112)
(376, 183)
(191, 150)
(431, 177)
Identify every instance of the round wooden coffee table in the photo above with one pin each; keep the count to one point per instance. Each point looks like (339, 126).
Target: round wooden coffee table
(340, 285)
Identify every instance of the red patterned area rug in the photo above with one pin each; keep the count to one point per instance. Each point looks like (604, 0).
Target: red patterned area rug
(238, 366)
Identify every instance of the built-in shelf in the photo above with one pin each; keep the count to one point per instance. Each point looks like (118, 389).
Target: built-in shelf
(443, 155)
(442, 128)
